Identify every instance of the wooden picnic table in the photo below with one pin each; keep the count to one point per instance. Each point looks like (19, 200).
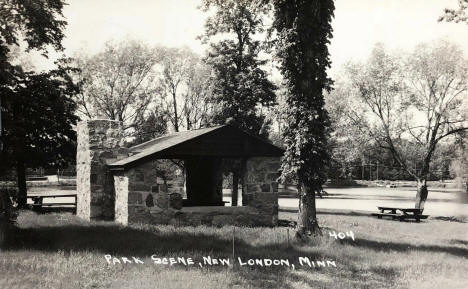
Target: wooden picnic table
(38, 203)
(400, 213)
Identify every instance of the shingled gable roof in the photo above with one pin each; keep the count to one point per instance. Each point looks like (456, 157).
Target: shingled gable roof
(222, 141)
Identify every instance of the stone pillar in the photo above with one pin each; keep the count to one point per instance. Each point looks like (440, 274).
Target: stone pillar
(121, 185)
(261, 188)
(99, 142)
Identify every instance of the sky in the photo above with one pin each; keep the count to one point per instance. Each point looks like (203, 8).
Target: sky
(358, 25)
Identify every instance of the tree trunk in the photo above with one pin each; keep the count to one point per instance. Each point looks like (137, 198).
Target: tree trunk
(421, 194)
(3, 221)
(176, 117)
(235, 189)
(3, 233)
(307, 216)
(21, 179)
(1, 130)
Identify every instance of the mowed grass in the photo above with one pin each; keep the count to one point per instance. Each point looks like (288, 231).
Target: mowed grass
(62, 251)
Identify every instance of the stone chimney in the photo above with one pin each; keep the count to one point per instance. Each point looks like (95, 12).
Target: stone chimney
(100, 142)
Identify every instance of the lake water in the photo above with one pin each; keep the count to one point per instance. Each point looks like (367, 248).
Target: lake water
(440, 202)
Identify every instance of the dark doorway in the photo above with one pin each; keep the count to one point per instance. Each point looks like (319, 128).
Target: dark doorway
(204, 182)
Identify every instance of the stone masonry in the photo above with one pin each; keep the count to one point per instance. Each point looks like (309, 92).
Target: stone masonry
(148, 193)
(260, 189)
(99, 143)
(143, 195)
(152, 191)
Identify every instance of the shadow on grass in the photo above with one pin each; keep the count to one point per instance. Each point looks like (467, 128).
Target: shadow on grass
(458, 219)
(48, 210)
(459, 242)
(116, 240)
(340, 212)
(140, 242)
(143, 242)
(405, 247)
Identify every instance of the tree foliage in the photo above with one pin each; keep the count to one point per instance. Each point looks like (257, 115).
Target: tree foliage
(119, 82)
(151, 126)
(240, 83)
(138, 84)
(198, 105)
(456, 15)
(348, 147)
(303, 34)
(409, 105)
(459, 165)
(186, 86)
(38, 117)
(175, 68)
(39, 23)
(35, 108)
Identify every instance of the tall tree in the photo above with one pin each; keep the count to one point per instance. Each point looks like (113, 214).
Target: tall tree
(39, 115)
(303, 33)
(39, 23)
(198, 101)
(240, 83)
(460, 165)
(176, 63)
(119, 82)
(348, 146)
(186, 89)
(412, 105)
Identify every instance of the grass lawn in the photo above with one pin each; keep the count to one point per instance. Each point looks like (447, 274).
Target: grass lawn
(62, 251)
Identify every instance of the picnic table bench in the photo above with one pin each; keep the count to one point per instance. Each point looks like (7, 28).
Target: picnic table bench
(38, 203)
(400, 213)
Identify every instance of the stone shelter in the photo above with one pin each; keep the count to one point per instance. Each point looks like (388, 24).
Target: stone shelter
(176, 178)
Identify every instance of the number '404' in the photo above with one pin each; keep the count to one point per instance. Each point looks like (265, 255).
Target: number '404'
(342, 235)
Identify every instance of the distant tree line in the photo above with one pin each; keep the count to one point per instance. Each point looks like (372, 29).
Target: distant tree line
(149, 89)
(375, 163)
(405, 109)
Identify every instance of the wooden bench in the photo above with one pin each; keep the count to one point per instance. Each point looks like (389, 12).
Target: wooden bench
(36, 178)
(401, 213)
(38, 203)
(416, 217)
(380, 215)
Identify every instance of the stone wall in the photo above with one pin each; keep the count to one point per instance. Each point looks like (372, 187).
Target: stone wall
(99, 143)
(260, 189)
(145, 191)
(155, 197)
(214, 216)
